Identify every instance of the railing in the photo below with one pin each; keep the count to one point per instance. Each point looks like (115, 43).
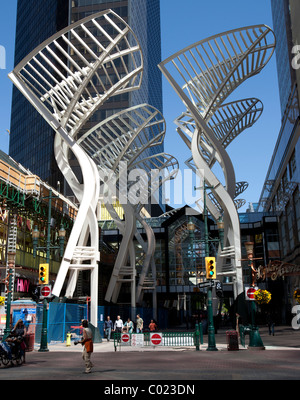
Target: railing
(165, 339)
(32, 185)
(24, 183)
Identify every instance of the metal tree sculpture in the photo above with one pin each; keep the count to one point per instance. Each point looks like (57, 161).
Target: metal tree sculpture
(119, 145)
(204, 75)
(67, 78)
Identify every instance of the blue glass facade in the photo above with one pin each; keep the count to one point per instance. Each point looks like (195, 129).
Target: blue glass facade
(31, 138)
(280, 194)
(282, 29)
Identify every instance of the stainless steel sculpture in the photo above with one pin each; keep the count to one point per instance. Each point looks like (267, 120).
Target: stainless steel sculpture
(67, 78)
(204, 75)
(119, 146)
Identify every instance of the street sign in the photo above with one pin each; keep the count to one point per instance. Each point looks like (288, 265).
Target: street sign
(125, 338)
(137, 339)
(249, 293)
(156, 339)
(45, 291)
(206, 284)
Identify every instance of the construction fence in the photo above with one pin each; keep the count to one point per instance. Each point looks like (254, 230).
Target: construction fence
(64, 318)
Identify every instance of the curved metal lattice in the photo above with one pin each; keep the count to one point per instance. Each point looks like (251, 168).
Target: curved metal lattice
(204, 75)
(78, 69)
(123, 136)
(213, 68)
(121, 145)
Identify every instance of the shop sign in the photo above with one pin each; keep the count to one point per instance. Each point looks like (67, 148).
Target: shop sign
(22, 285)
(277, 269)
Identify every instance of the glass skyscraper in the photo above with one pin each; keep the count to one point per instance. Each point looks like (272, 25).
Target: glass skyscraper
(280, 193)
(31, 139)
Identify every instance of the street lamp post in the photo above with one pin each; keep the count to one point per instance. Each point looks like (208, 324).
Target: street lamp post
(211, 329)
(220, 225)
(48, 248)
(255, 341)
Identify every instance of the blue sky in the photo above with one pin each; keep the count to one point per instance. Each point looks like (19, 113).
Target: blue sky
(184, 23)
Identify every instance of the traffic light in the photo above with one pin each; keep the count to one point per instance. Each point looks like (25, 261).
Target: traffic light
(219, 289)
(210, 265)
(44, 274)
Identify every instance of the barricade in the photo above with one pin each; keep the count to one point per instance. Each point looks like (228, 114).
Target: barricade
(154, 339)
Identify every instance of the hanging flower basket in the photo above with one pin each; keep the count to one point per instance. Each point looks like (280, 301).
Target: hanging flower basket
(296, 295)
(262, 296)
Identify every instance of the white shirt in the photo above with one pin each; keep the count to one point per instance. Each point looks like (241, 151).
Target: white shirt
(118, 324)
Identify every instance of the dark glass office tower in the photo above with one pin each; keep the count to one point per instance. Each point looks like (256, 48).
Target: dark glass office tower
(31, 139)
(284, 42)
(281, 193)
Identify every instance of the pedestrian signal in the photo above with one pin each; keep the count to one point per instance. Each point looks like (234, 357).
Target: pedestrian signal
(44, 274)
(210, 265)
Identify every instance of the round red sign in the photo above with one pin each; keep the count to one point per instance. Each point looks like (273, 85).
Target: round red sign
(45, 291)
(250, 293)
(156, 338)
(125, 338)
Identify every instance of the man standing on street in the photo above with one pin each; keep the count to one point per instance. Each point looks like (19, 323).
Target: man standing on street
(87, 343)
(139, 324)
(118, 324)
(108, 326)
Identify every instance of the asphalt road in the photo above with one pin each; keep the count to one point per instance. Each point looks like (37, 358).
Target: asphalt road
(158, 370)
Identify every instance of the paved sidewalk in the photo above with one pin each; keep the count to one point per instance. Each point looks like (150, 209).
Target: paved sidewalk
(285, 338)
(169, 365)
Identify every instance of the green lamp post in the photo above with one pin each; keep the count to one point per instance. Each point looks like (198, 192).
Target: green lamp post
(48, 248)
(210, 329)
(255, 341)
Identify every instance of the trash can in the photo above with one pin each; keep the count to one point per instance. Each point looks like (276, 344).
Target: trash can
(232, 340)
(29, 341)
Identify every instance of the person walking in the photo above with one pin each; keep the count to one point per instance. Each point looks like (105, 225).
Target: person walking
(139, 324)
(108, 327)
(129, 326)
(118, 327)
(152, 326)
(87, 343)
(271, 324)
(118, 324)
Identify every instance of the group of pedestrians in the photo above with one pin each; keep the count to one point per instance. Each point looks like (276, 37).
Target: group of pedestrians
(119, 327)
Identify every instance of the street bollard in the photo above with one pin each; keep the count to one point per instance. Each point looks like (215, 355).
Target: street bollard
(68, 339)
(197, 337)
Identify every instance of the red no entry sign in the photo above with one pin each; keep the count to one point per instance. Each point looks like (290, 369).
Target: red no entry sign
(46, 291)
(249, 292)
(125, 338)
(156, 338)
